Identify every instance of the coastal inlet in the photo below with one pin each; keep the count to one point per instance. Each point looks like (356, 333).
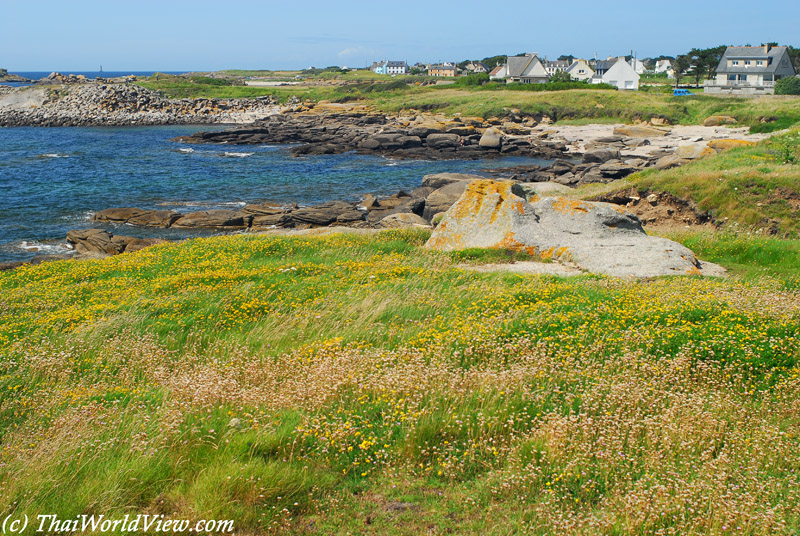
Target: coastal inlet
(53, 179)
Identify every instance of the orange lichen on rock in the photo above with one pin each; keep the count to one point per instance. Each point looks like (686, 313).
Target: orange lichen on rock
(570, 206)
(476, 193)
(510, 242)
(724, 145)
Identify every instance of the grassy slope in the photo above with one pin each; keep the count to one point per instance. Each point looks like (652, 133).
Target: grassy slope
(753, 186)
(595, 105)
(380, 390)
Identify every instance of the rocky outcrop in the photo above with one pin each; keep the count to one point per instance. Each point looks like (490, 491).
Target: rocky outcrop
(220, 219)
(369, 133)
(596, 237)
(641, 131)
(101, 243)
(718, 120)
(98, 104)
(135, 216)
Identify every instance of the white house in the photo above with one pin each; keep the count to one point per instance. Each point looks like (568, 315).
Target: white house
(552, 67)
(617, 72)
(665, 66)
(751, 70)
(499, 73)
(580, 70)
(637, 65)
(396, 67)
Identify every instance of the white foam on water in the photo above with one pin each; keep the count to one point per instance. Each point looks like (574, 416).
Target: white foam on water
(237, 155)
(52, 155)
(46, 249)
(186, 150)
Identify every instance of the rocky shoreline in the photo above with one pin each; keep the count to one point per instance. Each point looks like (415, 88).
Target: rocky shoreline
(332, 129)
(99, 104)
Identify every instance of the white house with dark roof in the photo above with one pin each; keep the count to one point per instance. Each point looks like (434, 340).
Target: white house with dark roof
(616, 72)
(580, 70)
(751, 70)
(396, 67)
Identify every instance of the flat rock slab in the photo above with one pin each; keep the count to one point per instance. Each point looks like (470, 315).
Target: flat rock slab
(596, 237)
(525, 267)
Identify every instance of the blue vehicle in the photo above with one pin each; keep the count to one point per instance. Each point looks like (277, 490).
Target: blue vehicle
(681, 93)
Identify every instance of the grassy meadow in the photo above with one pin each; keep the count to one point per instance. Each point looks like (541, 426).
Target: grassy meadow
(405, 95)
(361, 384)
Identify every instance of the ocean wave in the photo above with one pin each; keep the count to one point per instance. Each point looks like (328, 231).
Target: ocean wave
(33, 246)
(186, 150)
(52, 155)
(237, 155)
(82, 216)
(202, 204)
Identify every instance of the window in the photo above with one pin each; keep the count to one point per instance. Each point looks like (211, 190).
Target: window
(747, 62)
(735, 62)
(759, 63)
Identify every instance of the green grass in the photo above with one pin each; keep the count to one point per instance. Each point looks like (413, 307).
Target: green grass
(763, 114)
(378, 388)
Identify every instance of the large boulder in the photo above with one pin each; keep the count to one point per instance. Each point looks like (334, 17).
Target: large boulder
(616, 169)
(724, 145)
(137, 216)
(670, 161)
(403, 220)
(442, 141)
(228, 219)
(641, 131)
(442, 199)
(717, 120)
(437, 180)
(324, 214)
(693, 151)
(600, 155)
(491, 138)
(101, 243)
(597, 237)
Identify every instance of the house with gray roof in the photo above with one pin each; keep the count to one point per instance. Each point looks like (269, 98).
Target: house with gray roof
(751, 70)
(396, 67)
(527, 69)
(618, 73)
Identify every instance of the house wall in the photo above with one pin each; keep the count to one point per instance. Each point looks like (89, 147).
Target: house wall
(587, 71)
(623, 76)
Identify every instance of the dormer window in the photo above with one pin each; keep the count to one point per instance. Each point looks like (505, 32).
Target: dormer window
(759, 63)
(735, 62)
(747, 62)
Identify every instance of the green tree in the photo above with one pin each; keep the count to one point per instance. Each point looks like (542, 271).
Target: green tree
(794, 53)
(494, 61)
(561, 76)
(704, 61)
(680, 66)
(788, 86)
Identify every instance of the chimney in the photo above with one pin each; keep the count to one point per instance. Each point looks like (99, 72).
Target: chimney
(767, 48)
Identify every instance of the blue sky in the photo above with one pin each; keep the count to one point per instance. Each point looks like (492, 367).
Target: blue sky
(168, 35)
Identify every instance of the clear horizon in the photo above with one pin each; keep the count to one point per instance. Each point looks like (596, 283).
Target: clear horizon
(201, 36)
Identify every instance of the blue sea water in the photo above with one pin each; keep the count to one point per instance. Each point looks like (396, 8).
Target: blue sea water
(36, 75)
(53, 179)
